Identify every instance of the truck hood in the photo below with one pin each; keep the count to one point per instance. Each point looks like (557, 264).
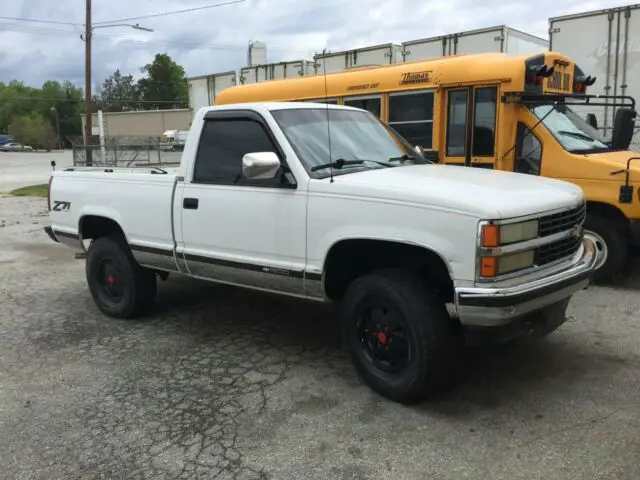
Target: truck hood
(487, 194)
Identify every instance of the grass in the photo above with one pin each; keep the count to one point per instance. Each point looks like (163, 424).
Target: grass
(31, 191)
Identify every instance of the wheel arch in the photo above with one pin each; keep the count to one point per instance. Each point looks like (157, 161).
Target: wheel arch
(349, 258)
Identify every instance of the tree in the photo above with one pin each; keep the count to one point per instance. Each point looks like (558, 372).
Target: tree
(165, 83)
(34, 130)
(24, 108)
(118, 93)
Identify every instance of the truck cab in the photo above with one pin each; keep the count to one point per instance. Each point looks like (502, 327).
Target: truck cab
(524, 114)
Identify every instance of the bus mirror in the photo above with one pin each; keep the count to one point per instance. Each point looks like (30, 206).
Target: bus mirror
(623, 126)
(592, 120)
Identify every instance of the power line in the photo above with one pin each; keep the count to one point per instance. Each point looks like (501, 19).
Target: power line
(170, 43)
(175, 12)
(33, 20)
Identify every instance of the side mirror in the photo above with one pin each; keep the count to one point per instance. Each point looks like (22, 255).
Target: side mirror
(623, 126)
(592, 120)
(260, 165)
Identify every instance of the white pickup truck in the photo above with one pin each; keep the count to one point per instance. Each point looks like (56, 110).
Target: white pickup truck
(328, 204)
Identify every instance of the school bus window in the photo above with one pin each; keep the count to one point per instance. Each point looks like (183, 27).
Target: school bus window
(457, 123)
(528, 151)
(411, 115)
(370, 104)
(484, 125)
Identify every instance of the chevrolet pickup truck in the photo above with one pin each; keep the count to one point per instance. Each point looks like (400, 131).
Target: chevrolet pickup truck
(329, 204)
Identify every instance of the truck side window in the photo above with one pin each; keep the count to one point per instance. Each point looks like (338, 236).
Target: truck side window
(528, 152)
(411, 115)
(457, 123)
(484, 126)
(223, 143)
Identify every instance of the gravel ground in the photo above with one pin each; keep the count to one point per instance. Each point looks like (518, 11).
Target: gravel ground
(222, 383)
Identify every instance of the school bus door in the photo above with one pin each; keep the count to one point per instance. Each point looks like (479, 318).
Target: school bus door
(470, 126)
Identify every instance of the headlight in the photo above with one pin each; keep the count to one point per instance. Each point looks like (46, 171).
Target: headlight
(498, 235)
(493, 266)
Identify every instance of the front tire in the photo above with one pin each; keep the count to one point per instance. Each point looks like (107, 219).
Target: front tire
(120, 287)
(614, 240)
(399, 335)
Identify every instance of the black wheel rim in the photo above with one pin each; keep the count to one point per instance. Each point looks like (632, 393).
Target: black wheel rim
(383, 337)
(111, 283)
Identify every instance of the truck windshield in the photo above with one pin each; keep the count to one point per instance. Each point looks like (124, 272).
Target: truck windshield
(572, 132)
(355, 135)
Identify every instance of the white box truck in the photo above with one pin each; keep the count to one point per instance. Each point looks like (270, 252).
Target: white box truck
(203, 89)
(275, 71)
(493, 39)
(606, 44)
(385, 54)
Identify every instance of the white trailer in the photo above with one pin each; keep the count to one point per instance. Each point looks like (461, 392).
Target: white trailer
(376, 55)
(493, 39)
(604, 44)
(275, 71)
(204, 89)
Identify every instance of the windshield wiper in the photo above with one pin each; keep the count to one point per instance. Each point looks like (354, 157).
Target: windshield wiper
(579, 135)
(341, 162)
(402, 158)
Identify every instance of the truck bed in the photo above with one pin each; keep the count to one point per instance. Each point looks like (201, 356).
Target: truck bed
(145, 195)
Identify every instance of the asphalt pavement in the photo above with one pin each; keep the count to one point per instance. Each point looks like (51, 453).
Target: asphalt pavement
(222, 383)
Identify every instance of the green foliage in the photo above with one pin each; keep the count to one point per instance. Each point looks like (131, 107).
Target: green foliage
(165, 82)
(118, 93)
(31, 114)
(31, 109)
(34, 130)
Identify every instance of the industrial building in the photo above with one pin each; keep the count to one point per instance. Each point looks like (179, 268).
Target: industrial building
(140, 123)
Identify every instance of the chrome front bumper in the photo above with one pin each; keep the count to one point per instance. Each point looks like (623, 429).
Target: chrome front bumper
(499, 306)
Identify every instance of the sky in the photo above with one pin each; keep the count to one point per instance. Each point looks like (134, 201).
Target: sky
(215, 40)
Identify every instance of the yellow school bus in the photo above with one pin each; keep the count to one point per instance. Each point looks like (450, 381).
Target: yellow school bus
(515, 113)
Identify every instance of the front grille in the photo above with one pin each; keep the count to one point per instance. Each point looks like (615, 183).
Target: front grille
(555, 251)
(563, 221)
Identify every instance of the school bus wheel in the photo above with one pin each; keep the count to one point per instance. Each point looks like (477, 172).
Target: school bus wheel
(614, 239)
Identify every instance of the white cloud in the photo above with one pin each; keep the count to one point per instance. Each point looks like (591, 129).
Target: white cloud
(215, 40)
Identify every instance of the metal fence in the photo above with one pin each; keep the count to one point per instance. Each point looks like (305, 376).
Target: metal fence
(124, 152)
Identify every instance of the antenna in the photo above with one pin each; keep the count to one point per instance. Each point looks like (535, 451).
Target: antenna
(326, 103)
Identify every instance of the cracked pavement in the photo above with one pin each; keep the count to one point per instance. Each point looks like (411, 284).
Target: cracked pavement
(222, 383)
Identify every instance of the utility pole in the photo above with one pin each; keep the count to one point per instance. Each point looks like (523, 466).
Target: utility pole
(88, 128)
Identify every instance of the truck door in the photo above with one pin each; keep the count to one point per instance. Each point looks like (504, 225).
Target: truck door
(234, 230)
(470, 132)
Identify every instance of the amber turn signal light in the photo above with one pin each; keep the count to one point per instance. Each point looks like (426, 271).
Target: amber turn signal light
(490, 236)
(488, 267)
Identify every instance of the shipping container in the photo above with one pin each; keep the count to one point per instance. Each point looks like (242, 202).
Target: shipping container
(604, 44)
(203, 89)
(376, 55)
(275, 71)
(494, 39)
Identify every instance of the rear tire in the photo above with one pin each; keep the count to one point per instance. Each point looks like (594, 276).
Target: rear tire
(120, 287)
(616, 243)
(384, 306)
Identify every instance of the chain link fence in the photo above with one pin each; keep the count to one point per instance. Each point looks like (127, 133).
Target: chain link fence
(131, 151)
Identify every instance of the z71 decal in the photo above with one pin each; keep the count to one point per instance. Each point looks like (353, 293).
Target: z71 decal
(59, 206)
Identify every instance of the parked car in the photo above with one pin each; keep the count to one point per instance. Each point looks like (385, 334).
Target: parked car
(419, 257)
(15, 147)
